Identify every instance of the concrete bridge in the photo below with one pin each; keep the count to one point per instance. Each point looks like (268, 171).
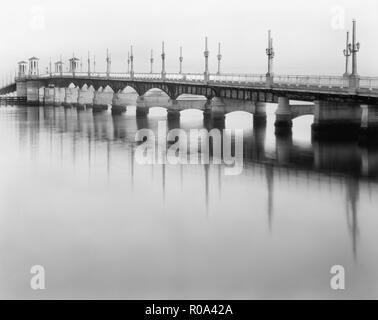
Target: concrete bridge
(340, 104)
(335, 107)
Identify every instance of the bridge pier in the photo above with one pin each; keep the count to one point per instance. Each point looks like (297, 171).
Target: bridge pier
(173, 111)
(215, 109)
(71, 96)
(32, 93)
(332, 119)
(118, 106)
(215, 113)
(369, 120)
(259, 114)
(48, 96)
(102, 99)
(141, 107)
(284, 145)
(85, 98)
(59, 95)
(284, 121)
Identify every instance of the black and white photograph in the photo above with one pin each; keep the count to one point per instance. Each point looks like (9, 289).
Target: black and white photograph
(176, 150)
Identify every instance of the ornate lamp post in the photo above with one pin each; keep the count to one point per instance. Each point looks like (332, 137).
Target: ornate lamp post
(347, 54)
(61, 66)
(163, 73)
(108, 63)
(50, 68)
(181, 59)
(219, 56)
(131, 63)
(206, 53)
(354, 47)
(152, 62)
(89, 65)
(128, 62)
(270, 54)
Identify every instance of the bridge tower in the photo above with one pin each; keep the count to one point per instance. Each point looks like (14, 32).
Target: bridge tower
(219, 56)
(206, 54)
(152, 62)
(108, 63)
(33, 66)
(22, 65)
(74, 64)
(354, 47)
(132, 63)
(181, 60)
(163, 73)
(59, 66)
(21, 81)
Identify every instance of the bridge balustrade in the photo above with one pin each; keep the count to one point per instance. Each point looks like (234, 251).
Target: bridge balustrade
(324, 82)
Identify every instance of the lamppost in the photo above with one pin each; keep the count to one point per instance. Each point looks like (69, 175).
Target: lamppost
(206, 53)
(50, 68)
(132, 63)
(219, 56)
(89, 65)
(128, 62)
(61, 66)
(163, 73)
(270, 54)
(354, 47)
(108, 63)
(181, 60)
(347, 54)
(152, 62)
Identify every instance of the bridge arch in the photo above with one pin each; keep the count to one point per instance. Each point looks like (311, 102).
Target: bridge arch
(299, 110)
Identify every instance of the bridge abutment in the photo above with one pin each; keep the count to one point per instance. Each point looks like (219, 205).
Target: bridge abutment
(333, 119)
(141, 107)
(32, 93)
(21, 89)
(284, 121)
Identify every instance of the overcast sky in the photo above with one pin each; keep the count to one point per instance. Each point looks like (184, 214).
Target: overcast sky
(309, 36)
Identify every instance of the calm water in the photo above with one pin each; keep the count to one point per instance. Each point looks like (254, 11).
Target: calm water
(103, 226)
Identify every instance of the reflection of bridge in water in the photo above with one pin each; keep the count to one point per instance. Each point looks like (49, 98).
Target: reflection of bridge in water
(346, 164)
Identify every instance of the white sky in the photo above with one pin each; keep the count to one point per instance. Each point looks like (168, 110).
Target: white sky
(308, 37)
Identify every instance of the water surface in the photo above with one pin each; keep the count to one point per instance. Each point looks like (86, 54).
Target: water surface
(103, 226)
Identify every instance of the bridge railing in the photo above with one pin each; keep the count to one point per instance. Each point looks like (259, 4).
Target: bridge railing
(369, 83)
(311, 81)
(238, 78)
(339, 82)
